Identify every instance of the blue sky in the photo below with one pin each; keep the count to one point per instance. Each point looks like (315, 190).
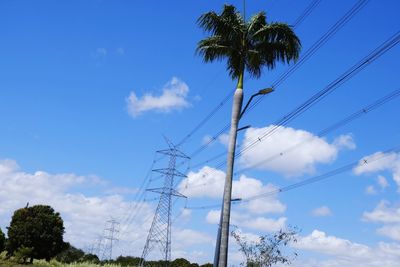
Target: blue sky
(89, 88)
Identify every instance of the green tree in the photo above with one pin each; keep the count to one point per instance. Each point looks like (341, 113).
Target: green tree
(70, 254)
(92, 258)
(2, 241)
(248, 46)
(38, 227)
(268, 250)
(180, 262)
(128, 261)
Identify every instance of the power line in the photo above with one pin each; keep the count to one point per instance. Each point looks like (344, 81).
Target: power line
(296, 23)
(311, 180)
(306, 13)
(310, 52)
(355, 69)
(361, 112)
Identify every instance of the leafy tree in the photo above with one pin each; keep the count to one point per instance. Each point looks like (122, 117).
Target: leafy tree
(128, 261)
(207, 265)
(2, 241)
(22, 254)
(70, 254)
(38, 227)
(92, 258)
(268, 251)
(247, 46)
(181, 262)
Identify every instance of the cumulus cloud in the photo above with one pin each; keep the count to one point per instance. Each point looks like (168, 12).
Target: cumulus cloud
(290, 151)
(389, 216)
(378, 162)
(173, 97)
(249, 221)
(84, 216)
(323, 211)
(345, 253)
(383, 213)
(390, 230)
(209, 182)
(321, 242)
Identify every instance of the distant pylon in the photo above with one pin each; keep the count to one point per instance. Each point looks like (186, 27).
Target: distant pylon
(112, 228)
(160, 230)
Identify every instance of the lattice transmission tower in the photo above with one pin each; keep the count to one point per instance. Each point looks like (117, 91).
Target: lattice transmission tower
(110, 235)
(160, 231)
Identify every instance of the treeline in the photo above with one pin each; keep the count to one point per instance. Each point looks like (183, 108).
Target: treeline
(37, 233)
(135, 261)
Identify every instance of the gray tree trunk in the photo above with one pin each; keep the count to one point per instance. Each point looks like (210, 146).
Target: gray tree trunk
(226, 207)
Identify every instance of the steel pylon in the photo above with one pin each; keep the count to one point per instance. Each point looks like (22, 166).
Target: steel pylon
(160, 231)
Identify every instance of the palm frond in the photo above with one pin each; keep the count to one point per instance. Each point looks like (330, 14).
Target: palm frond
(213, 48)
(247, 46)
(256, 22)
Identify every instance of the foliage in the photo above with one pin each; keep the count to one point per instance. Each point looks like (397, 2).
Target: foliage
(38, 227)
(2, 241)
(181, 262)
(268, 250)
(247, 45)
(70, 254)
(92, 258)
(22, 254)
(128, 261)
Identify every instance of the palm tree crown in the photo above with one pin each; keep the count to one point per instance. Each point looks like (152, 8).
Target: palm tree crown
(248, 46)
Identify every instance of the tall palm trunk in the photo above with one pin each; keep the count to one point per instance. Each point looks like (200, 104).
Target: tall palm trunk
(226, 206)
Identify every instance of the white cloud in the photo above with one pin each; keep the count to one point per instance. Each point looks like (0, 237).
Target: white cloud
(289, 151)
(224, 139)
(213, 216)
(370, 190)
(382, 182)
(209, 182)
(265, 224)
(321, 211)
(319, 241)
(207, 139)
(389, 216)
(390, 230)
(345, 253)
(249, 221)
(383, 213)
(84, 216)
(187, 237)
(345, 142)
(378, 162)
(173, 97)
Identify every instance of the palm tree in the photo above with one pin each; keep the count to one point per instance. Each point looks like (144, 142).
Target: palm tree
(248, 46)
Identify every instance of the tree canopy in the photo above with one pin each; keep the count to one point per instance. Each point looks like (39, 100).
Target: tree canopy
(39, 228)
(2, 241)
(247, 45)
